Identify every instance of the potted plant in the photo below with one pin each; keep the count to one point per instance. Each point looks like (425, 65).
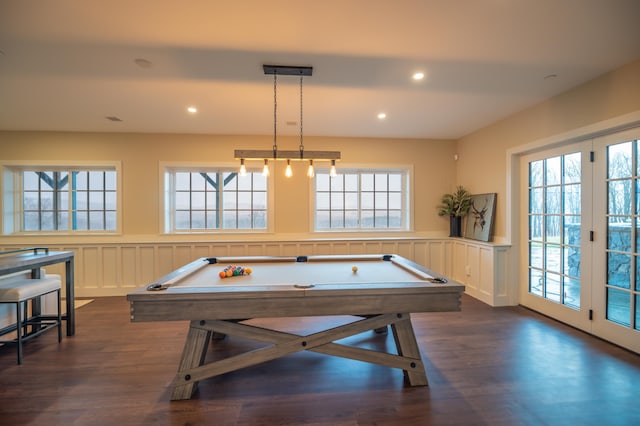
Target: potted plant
(455, 205)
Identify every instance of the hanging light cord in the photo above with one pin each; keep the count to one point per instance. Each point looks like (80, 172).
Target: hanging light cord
(301, 143)
(275, 115)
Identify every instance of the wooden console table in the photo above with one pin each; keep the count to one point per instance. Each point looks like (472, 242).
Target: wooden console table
(35, 258)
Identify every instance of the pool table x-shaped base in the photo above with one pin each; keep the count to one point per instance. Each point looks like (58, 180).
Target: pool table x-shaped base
(193, 368)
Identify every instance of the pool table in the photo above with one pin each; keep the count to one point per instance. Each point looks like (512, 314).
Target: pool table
(378, 290)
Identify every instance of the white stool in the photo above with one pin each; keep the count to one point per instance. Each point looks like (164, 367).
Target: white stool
(18, 290)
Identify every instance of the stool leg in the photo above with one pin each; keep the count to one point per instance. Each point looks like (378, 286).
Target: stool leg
(59, 317)
(19, 330)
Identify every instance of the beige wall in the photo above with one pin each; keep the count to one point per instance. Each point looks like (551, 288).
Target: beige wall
(141, 154)
(482, 165)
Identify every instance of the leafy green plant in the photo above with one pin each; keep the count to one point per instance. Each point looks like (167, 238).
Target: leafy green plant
(456, 203)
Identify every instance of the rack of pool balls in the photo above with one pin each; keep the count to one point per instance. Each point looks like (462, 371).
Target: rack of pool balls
(234, 271)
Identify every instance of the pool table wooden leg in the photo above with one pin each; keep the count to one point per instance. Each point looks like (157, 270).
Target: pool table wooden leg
(408, 347)
(193, 355)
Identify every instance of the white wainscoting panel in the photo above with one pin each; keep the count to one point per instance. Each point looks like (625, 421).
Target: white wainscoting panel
(116, 269)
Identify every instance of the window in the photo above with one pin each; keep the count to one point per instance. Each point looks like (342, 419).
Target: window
(220, 199)
(52, 199)
(362, 200)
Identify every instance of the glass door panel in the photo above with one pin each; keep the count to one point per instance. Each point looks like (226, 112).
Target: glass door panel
(554, 203)
(616, 288)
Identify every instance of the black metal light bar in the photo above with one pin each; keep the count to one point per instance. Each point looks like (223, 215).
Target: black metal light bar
(287, 70)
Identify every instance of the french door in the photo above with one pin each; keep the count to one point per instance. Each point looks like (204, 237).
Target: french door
(580, 259)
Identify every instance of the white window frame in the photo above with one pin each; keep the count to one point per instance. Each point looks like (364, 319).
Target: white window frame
(407, 197)
(12, 190)
(167, 197)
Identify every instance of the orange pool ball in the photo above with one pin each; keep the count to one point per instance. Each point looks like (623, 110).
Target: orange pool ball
(247, 271)
(222, 274)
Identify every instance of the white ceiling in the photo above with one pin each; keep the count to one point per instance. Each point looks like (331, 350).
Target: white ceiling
(68, 64)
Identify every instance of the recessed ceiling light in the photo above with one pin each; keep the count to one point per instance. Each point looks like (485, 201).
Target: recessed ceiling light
(143, 63)
(418, 76)
(382, 116)
(192, 109)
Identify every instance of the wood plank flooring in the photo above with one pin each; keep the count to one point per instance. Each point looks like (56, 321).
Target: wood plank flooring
(486, 366)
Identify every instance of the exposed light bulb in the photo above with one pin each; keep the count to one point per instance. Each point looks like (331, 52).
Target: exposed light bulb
(243, 169)
(310, 172)
(288, 172)
(332, 171)
(265, 169)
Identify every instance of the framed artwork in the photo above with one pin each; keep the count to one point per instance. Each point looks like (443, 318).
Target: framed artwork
(480, 219)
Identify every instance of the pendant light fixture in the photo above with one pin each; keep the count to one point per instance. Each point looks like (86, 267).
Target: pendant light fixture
(275, 154)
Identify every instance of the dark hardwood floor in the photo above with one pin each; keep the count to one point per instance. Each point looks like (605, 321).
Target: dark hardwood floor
(486, 366)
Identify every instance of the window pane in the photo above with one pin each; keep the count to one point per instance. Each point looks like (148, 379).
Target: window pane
(96, 220)
(197, 219)
(351, 219)
(110, 221)
(618, 270)
(619, 235)
(337, 219)
(535, 282)
(183, 181)
(395, 182)
(395, 219)
(63, 221)
(553, 259)
(618, 306)
(536, 201)
(322, 220)
(381, 201)
(553, 171)
(553, 202)
(619, 197)
(81, 221)
(322, 201)
(351, 201)
(367, 200)
(572, 292)
(395, 200)
(572, 199)
(244, 220)
(322, 182)
(197, 201)
(535, 255)
(110, 181)
(337, 183)
(229, 220)
(619, 160)
(197, 182)
(337, 201)
(96, 181)
(183, 219)
(536, 173)
(572, 168)
(244, 200)
(381, 221)
(381, 182)
(350, 182)
(367, 219)
(183, 200)
(96, 201)
(260, 200)
(552, 286)
(81, 181)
